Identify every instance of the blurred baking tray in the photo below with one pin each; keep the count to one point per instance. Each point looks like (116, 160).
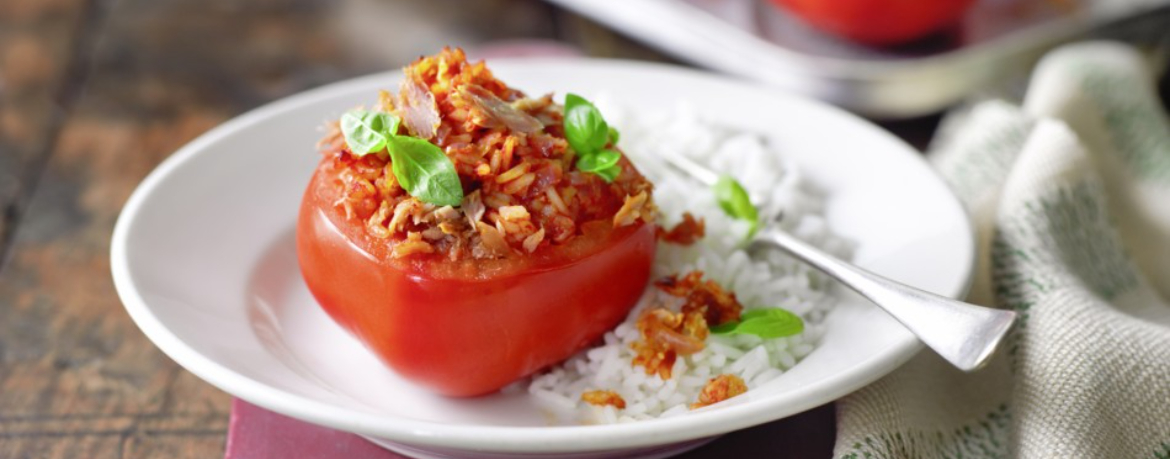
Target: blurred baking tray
(753, 39)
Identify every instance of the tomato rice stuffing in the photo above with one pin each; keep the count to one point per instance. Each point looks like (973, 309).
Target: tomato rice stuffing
(522, 189)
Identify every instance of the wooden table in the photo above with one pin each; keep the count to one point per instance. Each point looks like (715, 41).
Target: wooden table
(93, 94)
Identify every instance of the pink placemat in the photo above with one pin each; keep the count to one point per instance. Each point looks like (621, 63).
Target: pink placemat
(256, 433)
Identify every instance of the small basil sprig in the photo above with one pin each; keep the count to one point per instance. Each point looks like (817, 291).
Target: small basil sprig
(765, 323)
(589, 134)
(420, 166)
(736, 203)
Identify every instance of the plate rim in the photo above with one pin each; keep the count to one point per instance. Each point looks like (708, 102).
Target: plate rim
(520, 439)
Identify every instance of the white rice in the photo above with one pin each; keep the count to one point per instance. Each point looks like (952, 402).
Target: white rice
(775, 281)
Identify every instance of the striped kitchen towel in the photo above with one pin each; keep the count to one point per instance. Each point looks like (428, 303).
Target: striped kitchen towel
(1070, 195)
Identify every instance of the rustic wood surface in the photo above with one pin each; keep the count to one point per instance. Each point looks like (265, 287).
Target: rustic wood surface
(93, 95)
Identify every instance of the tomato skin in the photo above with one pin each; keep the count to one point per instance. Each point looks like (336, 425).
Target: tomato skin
(878, 22)
(466, 334)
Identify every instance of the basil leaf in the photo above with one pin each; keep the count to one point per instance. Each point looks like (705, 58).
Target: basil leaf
(585, 129)
(588, 134)
(367, 132)
(603, 163)
(765, 323)
(599, 161)
(424, 171)
(735, 202)
(610, 173)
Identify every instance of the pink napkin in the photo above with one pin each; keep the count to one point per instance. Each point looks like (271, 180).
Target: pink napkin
(256, 433)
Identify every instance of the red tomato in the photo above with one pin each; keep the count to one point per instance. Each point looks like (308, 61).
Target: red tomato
(469, 327)
(878, 22)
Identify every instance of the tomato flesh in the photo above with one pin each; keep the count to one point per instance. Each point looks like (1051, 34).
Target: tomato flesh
(468, 328)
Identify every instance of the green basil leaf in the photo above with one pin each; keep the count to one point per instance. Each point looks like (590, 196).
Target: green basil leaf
(736, 203)
(367, 132)
(765, 323)
(614, 136)
(588, 134)
(424, 171)
(610, 173)
(599, 161)
(585, 129)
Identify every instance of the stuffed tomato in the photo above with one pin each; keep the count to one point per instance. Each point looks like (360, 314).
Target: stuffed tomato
(470, 235)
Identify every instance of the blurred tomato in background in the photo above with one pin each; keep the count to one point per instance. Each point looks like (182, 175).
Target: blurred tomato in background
(878, 22)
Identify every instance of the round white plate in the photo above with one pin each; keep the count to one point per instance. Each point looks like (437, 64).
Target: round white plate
(203, 258)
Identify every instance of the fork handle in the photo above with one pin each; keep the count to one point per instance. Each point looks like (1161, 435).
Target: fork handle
(964, 334)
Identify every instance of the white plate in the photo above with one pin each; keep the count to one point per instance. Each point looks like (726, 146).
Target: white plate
(203, 258)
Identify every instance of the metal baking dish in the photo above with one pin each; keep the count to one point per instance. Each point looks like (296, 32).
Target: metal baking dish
(995, 40)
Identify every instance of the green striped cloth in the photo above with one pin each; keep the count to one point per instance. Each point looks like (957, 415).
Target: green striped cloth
(1070, 195)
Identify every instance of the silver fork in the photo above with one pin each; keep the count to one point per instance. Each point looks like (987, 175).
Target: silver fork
(964, 334)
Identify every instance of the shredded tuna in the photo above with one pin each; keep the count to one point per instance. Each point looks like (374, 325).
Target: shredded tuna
(720, 388)
(604, 398)
(493, 240)
(419, 112)
(705, 297)
(473, 207)
(686, 232)
(665, 334)
(633, 209)
(489, 111)
(446, 214)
